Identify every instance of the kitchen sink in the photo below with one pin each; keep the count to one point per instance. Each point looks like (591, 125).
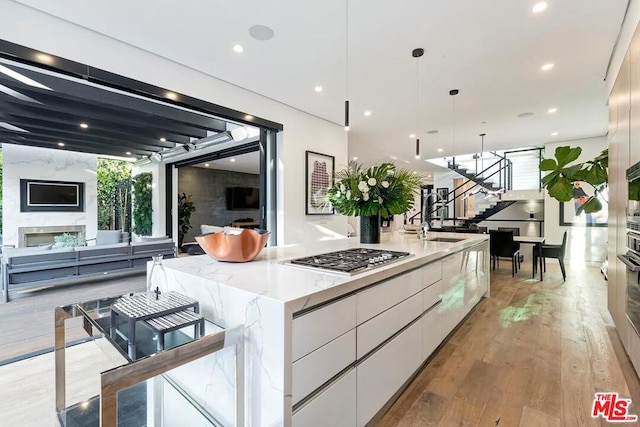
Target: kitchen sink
(445, 239)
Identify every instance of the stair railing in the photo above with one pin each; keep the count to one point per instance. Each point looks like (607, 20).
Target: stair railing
(504, 175)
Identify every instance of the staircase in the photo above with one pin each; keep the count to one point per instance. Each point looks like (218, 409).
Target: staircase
(478, 179)
(489, 210)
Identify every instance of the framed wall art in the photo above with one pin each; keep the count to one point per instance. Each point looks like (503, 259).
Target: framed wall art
(318, 179)
(581, 192)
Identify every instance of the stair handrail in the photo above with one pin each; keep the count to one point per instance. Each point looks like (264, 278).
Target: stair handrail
(446, 200)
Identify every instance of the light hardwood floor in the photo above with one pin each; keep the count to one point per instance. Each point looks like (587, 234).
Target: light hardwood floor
(533, 354)
(26, 322)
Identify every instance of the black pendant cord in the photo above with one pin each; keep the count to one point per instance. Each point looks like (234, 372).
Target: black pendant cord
(346, 50)
(453, 93)
(482, 135)
(417, 53)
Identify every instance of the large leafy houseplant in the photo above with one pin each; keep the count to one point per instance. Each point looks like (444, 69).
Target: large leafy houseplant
(382, 189)
(560, 180)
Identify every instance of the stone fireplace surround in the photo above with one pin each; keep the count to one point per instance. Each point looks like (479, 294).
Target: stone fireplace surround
(35, 236)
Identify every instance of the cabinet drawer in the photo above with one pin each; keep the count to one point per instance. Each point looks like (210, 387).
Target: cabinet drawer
(316, 328)
(384, 325)
(335, 406)
(382, 374)
(431, 295)
(431, 273)
(318, 367)
(432, 332)
(378, 298)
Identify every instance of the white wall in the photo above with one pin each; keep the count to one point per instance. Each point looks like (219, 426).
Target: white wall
(32, 28)
(583, 243)
(21, 162)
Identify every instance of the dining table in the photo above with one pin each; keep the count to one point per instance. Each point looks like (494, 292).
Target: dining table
(533, 240)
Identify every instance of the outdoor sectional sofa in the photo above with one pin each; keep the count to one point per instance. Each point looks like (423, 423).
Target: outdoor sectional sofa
(24, 268)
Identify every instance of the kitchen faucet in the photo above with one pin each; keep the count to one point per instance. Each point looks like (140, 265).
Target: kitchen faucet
(425, 226)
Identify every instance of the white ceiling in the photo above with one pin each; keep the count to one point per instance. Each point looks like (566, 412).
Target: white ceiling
(490, 50)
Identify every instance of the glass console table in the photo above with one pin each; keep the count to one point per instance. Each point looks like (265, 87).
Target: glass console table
(194, 380)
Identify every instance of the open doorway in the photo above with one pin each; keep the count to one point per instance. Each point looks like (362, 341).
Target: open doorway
(223, 192)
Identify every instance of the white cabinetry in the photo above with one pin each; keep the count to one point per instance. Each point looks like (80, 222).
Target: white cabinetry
(384, 372)
(382, 334)
(318, 367)
(316, 328)
(335, 406)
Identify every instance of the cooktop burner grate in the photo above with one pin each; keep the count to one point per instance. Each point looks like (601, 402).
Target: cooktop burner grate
(350, 261)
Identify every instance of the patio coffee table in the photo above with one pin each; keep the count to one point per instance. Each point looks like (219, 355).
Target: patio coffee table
(169, 309)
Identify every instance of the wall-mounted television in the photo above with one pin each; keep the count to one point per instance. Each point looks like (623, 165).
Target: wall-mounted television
(51, 196)
(243, 198)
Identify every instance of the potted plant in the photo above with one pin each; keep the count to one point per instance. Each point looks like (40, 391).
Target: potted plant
(185, 209)
(563, 180)
(380, 190)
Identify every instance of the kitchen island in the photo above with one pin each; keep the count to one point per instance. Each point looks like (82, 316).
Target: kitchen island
(330, 349)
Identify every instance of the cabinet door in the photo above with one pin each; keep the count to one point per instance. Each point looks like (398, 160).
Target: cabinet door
(452, 308)
(335, 406)
(316, 328)
(386, 370)
(318, 367)
(376, 330)
(432, 332)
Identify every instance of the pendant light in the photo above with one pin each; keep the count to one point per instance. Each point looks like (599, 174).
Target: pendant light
(453, 93)
(482, 135)
(417, 53)
(346, 68)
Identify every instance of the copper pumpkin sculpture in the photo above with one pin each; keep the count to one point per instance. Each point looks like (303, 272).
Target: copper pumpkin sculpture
(238, 247)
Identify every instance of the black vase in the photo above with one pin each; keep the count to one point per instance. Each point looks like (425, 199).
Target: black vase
(370, 229)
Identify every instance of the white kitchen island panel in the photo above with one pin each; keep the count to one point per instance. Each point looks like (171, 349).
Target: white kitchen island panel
(267, 296)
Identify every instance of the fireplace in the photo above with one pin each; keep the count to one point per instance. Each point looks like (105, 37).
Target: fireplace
(36, 236)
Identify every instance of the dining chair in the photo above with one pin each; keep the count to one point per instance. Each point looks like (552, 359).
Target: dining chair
(516, 232)
(501, 245)
(553, 251)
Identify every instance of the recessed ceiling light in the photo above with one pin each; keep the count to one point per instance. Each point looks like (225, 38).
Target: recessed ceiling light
(171, 95)
(546, 67)
(440, 150)
(43, 57)
(84, 125)
(552, 110)
(232, 160)
(554, 133)
(238, 49)
(261, 32)
(60, 144)
(367, 113)
(428, 176)
(248, 117)
(355, 158)
(206, 165)
(433, 131)
(318, 88)
(539, 7)
(527, 114)
(128, 153)
(413, 135)
(163, 139)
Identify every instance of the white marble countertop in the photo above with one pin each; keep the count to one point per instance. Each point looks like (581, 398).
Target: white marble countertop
(299, 288)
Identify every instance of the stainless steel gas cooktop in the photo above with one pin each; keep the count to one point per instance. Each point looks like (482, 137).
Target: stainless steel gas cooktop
(349, 261)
